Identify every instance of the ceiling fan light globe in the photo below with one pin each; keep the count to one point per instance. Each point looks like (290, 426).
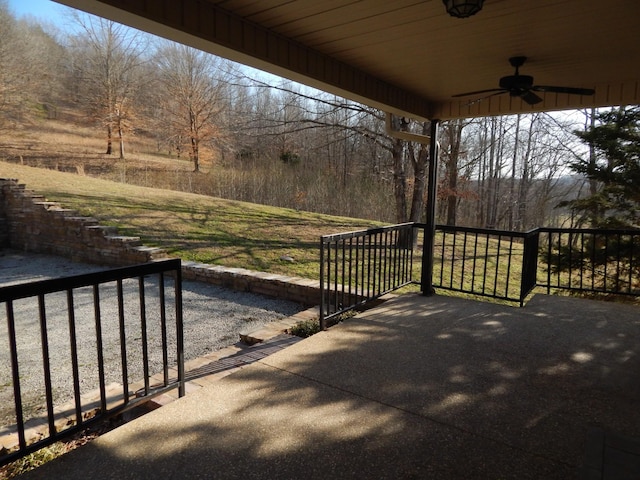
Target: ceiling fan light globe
(463, 8)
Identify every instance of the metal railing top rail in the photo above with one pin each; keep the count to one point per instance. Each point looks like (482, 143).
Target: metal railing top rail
(493, 231)
(606, 231)
(485, 231)
(335, 237)
(43, 287)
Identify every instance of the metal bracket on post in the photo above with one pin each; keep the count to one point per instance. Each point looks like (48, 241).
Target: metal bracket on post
(408, 136)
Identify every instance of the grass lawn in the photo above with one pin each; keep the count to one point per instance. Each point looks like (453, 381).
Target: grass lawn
(236, 234)
(194, 227)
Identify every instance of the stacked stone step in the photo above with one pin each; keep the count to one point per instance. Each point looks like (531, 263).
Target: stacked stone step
(4, 232)
(38, 225)
(4, 225)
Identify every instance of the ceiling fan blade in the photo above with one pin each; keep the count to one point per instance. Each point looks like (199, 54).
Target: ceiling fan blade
(478, 100)
(490, 90)
(569, 90)
(530, 97)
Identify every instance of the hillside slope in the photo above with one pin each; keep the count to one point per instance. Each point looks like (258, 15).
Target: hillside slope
(194, 227)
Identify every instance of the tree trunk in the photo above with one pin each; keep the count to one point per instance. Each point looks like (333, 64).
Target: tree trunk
(400, 172)
(195, 154)
(596, 216)
(452, 172)
(491, 183)
(121, 139)
(525, 183)
(195, 148)
(420, 163)
(109, 140)
(512, 185)
(481, 219)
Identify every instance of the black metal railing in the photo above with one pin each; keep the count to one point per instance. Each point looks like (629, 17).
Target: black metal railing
(509, 265)
(590, 260)
(95, 334)
(357, 267)
(480, 261)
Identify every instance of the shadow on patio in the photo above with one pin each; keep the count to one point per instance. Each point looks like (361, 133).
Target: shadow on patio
(418, 387)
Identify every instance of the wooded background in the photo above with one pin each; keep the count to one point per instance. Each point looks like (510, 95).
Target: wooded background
(253, 137)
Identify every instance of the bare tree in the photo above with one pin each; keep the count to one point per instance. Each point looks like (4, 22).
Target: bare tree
(10, 88)
(109, 57)
(454, 159)
(28, 58)
(355, 133)
(192, 95)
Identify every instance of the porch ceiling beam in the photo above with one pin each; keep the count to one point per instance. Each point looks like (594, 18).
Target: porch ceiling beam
(208, 27)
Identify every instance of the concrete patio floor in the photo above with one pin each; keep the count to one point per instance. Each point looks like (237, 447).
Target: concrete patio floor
(419, 387)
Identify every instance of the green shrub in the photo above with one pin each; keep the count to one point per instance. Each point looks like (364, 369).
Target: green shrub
(306, 328)
(33, 460)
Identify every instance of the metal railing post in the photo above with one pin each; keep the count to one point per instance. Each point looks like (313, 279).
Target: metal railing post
(529, 264)
(180, 332)
(322, 287)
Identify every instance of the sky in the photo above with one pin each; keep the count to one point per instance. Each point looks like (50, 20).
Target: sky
(49, 11)
(41, 9)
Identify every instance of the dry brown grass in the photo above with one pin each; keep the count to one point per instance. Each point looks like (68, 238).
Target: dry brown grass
(74, 147)
(64, 160)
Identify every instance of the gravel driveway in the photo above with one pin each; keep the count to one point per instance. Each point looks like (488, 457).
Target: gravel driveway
(213, 318)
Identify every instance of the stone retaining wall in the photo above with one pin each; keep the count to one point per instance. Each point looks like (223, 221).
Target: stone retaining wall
(296, 289)
(36, 225)
(30, 223)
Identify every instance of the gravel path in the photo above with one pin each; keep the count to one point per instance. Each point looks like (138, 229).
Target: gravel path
(213, 318)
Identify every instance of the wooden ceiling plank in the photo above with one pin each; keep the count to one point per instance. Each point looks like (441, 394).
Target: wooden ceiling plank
(318, 34)
(279, 18)
(252, 8)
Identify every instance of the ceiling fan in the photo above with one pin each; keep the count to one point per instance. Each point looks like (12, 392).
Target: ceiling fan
(522, 86)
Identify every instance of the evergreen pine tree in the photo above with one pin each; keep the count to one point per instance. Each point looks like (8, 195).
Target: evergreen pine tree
(616, 169)
(613, 167)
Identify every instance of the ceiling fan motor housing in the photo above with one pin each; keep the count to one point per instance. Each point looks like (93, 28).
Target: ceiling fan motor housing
(516, 82)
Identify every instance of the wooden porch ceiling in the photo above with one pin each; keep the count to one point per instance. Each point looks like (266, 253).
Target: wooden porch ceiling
(409, 56)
